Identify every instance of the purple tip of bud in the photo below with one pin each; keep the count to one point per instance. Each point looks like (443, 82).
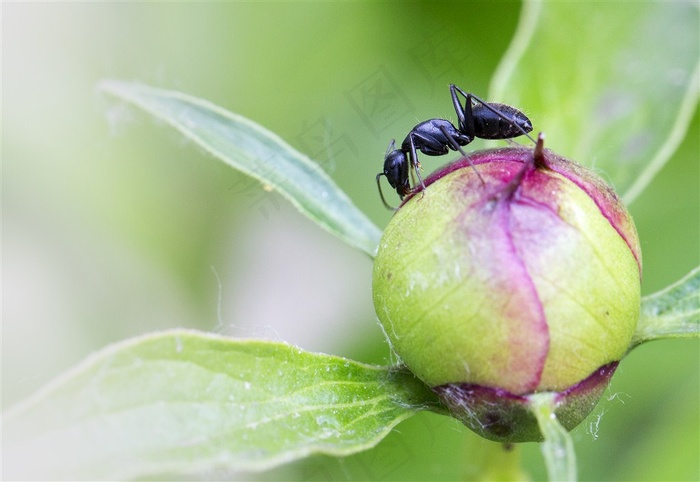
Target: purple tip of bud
(602, 194)
(502, 416)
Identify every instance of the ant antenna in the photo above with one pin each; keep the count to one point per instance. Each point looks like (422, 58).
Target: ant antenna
(381, 194)
(392, 146)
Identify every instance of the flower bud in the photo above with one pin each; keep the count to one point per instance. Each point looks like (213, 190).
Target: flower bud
(519, 280)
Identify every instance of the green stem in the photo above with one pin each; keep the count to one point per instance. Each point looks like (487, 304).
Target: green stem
(493, 461)
(558, 447)
(673, 312)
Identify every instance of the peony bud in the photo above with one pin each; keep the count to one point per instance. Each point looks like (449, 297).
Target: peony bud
(525, 282)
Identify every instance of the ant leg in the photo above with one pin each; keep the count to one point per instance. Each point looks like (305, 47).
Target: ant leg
(465, 117)
(457, 147)
(414, 161)
(467, 114)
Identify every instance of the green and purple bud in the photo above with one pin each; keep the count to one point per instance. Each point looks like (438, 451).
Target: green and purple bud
(525, 282)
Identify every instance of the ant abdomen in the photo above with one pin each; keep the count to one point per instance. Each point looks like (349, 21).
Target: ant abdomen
(508, 123)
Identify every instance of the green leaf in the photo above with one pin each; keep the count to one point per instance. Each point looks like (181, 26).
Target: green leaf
(613, 85)
(254, 150)
(673, 312)
(558, 447)
(183, 402)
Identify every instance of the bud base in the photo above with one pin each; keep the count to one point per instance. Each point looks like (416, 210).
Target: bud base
(502, 416)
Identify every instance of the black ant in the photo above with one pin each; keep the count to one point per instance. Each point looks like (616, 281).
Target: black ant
(435, 137)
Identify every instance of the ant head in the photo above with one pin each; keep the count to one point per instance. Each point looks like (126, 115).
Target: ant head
(396, 172)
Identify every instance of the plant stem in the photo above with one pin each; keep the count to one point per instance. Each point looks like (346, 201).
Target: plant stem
(558, 447)
(493, 461)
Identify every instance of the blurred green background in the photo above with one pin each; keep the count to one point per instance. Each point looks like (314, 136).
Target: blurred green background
(114, 226)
